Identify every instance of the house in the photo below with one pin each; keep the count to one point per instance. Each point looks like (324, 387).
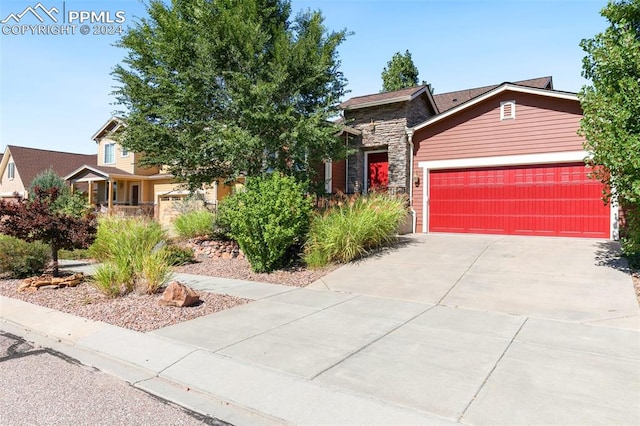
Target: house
(20, 165)
(118, 183)
(501, 159)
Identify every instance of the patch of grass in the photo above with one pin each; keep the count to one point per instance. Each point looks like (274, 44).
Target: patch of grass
(132, 251)
(76, 254)
(195, 223)
(351, 230)
(177, 255)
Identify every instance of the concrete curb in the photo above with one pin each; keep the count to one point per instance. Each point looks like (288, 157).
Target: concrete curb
(207, 383)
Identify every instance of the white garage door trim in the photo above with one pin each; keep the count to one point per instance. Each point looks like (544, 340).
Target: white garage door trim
(505, 160)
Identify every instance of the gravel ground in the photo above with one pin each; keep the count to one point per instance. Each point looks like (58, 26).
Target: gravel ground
(135, 311)
(239, 269)
(141, 312)
(41, 387)
(636, 284)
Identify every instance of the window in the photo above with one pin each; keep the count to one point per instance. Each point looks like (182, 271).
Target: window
(109, 153)
(507, 110)
(11, 171)
(124, 152)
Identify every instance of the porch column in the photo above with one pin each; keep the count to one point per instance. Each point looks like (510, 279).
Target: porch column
(71, 186)
(215, 193)
(90, 193)
(110, 196)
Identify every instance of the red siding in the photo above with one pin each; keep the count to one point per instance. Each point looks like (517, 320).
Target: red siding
(339, 176)
(550, 200)
(542, 124)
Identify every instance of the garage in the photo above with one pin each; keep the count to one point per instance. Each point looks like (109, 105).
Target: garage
(545, 200)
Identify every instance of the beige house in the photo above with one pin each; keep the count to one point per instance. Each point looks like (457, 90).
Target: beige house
(118, 184)
(20, 165)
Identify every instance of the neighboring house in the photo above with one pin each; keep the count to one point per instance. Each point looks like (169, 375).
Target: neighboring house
(19, 165)
(502, 159)
(117, 183)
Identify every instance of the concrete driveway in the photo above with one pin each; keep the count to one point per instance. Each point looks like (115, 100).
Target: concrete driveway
(447, 328)
(578, 280)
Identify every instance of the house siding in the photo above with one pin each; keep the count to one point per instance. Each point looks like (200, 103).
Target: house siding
(128, 164)
(338, 176)
(9, 186)
(542, 125)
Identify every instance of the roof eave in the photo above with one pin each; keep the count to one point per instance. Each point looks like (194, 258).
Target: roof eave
(501, 88)
(98, 134)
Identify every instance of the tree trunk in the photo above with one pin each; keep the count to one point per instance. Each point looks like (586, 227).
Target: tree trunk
(54, 260)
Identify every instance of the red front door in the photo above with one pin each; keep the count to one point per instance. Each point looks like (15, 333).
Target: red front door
(554, 200)
(377, 171)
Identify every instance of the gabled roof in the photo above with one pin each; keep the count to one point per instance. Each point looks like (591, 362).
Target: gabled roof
(402, 95)
(32, 161)
(111, 125)
(102, 171)
(497, 90)
(446, 101)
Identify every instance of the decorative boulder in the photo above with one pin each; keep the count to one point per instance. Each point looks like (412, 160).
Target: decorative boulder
(178, 294)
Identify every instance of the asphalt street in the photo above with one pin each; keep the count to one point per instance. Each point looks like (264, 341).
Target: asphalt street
(41, 386)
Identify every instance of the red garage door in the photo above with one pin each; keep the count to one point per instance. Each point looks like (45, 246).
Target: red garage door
(554, 200)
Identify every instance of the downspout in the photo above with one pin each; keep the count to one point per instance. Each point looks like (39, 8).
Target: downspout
(413, 212)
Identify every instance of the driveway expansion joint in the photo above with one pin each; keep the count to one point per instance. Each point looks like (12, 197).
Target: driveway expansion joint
(371, 343)
(467, 270)
(486, 379)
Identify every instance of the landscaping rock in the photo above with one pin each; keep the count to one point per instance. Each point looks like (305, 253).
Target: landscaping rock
(178, 294)
(213, 249)
(51, 282)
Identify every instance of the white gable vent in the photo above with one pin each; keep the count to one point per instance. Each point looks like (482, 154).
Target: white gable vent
(507, 110)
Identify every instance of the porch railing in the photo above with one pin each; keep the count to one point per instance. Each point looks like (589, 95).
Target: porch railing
(126, 210)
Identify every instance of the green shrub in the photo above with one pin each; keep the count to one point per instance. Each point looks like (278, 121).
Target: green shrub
(351, 230)
(132, 251)
(177, 255)
(22, 259)
(630, 234)
(267, 218)
(195, 223)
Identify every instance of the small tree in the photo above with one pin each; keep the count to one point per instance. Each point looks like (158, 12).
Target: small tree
(400, 73)
(611, 123)
(611, 120)
(39, 219)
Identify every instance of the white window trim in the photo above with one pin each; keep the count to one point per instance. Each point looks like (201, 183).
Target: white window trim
(105, 153)
(11, 171)
(503, 106)
(328, 176)
(505, 160)
(365, 182)
(124, 152)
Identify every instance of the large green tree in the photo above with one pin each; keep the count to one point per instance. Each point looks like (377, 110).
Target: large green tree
(399, 73)
(611, 103)
(216, 88)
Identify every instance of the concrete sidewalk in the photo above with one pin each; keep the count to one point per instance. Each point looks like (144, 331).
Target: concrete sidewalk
(336, 355)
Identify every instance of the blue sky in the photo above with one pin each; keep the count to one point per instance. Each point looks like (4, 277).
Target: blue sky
(55, 89)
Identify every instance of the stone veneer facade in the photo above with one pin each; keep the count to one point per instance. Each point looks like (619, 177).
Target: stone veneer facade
(384, 128)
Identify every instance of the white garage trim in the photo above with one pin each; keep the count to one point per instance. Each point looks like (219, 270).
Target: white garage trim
(505, 160)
